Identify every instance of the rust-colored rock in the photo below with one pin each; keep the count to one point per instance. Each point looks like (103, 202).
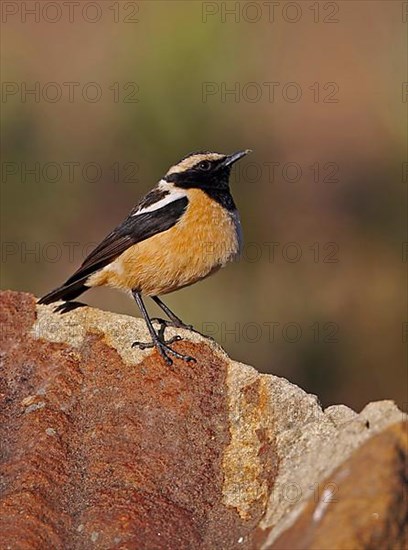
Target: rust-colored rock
(105, 446)
(364, 502)
(99, 452)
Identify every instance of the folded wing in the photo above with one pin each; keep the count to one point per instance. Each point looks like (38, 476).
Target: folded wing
(136, 228)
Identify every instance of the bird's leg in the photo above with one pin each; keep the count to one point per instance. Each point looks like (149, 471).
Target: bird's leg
(158, 340)
(176, 321)
(160, 334)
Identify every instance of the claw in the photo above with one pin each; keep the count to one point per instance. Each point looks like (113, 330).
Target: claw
(164, 349)
(168, 359)
(143, 345)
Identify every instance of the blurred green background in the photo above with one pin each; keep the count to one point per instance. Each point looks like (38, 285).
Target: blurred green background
(329, 147)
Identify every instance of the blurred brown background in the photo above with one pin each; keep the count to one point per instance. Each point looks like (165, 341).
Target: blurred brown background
(314, 88)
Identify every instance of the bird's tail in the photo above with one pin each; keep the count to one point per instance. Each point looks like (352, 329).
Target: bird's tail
(67, 292)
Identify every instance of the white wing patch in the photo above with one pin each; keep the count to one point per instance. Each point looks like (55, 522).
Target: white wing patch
(173, 195)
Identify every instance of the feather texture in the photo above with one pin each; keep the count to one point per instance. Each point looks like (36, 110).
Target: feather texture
(133, 230)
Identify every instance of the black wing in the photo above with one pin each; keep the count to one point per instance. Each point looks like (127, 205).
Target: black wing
(135, 229)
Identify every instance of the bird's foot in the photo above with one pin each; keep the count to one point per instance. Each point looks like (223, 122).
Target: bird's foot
(164, 323)
(163, 347)
(165, 351)
(149, 345)
(173, 323)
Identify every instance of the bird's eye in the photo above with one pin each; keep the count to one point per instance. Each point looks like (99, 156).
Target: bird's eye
(204, 165)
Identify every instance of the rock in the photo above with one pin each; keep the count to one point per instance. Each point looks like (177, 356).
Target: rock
(105, 446)
(363, 504)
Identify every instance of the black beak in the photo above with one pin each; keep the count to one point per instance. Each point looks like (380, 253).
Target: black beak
(231, 159)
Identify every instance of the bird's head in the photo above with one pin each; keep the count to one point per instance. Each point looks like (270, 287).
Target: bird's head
(204, 169)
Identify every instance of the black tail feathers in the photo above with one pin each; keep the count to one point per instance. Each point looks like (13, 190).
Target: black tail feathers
(65, 292)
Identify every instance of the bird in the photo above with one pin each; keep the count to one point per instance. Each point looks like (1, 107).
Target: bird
(182, 231)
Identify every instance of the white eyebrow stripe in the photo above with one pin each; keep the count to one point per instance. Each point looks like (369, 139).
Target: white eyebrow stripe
(171, 197)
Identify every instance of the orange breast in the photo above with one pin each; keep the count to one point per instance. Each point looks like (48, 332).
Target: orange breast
(202, 241)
